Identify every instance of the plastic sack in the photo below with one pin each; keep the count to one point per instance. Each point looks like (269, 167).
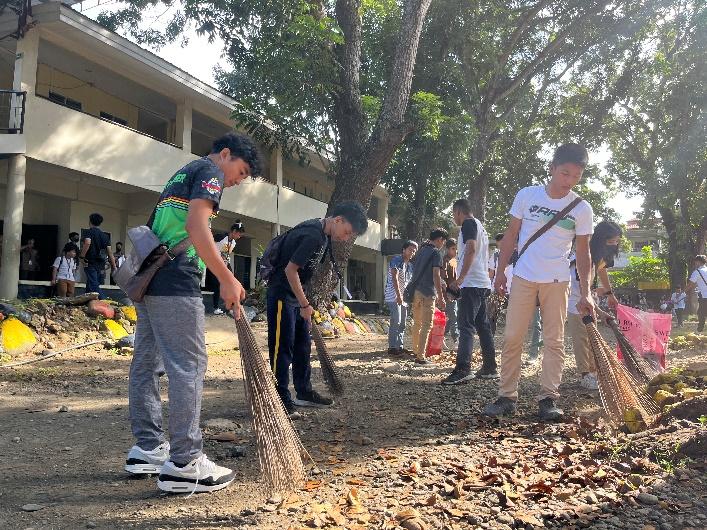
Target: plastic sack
(647, 332)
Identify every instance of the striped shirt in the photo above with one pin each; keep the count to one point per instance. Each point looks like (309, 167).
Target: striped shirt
(404, 275)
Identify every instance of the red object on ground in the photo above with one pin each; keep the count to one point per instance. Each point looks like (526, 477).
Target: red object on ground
(434, 344)
(647, 332)
(99, 307)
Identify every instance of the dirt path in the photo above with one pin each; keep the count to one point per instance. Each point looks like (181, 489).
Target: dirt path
(396, 441)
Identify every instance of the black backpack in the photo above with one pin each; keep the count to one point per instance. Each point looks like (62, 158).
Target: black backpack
(270, 259)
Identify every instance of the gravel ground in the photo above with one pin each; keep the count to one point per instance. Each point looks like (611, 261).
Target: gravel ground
(398, 450)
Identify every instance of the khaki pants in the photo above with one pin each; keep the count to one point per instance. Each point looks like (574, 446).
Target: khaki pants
(423, 308)
(553, 310)
(580, 344)
(65, 288)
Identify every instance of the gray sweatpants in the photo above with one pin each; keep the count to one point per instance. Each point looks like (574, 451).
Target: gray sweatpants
(169, 338)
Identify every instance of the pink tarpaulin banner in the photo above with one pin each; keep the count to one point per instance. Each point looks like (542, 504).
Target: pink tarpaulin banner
(647, 332)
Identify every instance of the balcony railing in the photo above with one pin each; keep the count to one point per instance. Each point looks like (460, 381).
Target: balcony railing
(12, 111)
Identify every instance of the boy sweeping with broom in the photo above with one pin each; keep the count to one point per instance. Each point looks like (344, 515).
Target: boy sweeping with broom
(544, 221)
(170, 327)
(289, 310)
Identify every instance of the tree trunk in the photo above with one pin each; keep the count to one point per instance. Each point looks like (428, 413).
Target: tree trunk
(675, 263)
(478, 180)
(416, 211)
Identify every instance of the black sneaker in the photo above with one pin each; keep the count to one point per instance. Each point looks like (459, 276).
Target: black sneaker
(486, 373)
(312, 399)
(503, 406)
(395, 352)
(292, 411)
(457, 378)
(423, 362)
(548, 411)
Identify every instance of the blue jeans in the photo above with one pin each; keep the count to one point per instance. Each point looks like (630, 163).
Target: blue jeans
(536, 339)
(452, 328)
(473, 319)
(396, 331)
(94, 279)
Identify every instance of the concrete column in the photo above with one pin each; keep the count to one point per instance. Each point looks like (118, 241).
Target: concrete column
(253, 263)
(276, 177)
(182, 135)
(12, 228)
(379, 279)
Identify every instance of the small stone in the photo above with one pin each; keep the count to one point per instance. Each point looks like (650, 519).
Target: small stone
(269, 508)
(647, 498)
(247, 512)
(591, 498)
(237, 451)
(32, 507)
(91, 524)
(648, 527)
(63, 408)
(504, 518)
(275, 499)
(67, 449)
(51, 345)
(16, 439)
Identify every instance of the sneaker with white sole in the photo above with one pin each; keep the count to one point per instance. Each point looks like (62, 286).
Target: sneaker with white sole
(589, 381)
(457, 378)
(312, 399)
(198, 476)
(141, 462)
(218, 311)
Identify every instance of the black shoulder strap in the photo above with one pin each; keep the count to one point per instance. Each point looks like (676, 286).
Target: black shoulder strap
(547, 226)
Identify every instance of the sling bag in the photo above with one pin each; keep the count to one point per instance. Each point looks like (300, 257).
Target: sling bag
(547, 226)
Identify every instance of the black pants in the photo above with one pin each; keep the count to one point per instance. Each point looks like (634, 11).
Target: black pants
(701, 314)
(472, 319)
(289, 343)
(679, 313)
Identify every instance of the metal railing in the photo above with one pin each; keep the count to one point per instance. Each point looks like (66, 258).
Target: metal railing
(12, 111)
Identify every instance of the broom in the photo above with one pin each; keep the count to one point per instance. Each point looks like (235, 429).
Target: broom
(331, 378)
(621, 394)
(279, 448)
(642, 370)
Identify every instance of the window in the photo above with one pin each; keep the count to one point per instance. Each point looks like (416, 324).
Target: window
(114, 119)
(63, 100)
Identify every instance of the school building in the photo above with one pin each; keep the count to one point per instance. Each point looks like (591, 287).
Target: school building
(91, 122)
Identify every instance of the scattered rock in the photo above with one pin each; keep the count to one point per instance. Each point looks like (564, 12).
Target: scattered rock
(221, 424)
(63, 408)
(647, 498)
(16, 439)
(32, 507)
(51, 345)
(91, 524)
(275, 499)
(237, 451)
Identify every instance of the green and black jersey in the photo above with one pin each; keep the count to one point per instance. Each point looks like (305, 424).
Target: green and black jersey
(201, 179)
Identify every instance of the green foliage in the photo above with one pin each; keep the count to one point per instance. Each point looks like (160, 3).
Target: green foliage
(644, 268)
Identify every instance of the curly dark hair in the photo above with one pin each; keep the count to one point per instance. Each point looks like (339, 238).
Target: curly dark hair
(243, 147)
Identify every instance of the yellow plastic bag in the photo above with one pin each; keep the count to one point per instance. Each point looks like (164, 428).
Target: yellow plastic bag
(16, 336)
(114, 329)
(130, 313)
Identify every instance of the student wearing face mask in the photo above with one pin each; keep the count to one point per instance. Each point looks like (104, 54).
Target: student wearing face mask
(604, 247)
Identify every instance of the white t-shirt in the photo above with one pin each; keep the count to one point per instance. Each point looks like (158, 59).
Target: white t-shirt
(65, 268)
(546, 260)
(701, 281)
(678, 299)
(478, 274)
(493, 260)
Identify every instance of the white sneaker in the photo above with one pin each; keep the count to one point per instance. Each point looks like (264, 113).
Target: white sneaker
(141, 462)
(589, 381)
(199, 475)
(218, 311)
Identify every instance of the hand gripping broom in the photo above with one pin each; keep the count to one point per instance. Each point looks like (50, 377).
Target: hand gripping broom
(331, 378)
(622, 396)
(279, 448)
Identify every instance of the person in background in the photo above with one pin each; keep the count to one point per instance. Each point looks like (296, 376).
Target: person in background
(604, 247)
(678, 300)
(493, 258)
(698, 282)
(29, 261)
(427, 281)
(399, 274)
(542, 273)
(475, 287)
(449, 276)
(119, 254)
(226, 246)
(96, 253)
(64, 271)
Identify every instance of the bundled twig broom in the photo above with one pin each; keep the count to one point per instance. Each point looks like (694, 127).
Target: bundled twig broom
(642, 370)
(331, 378)
(279, 448)
(621, 394)
(494, 305)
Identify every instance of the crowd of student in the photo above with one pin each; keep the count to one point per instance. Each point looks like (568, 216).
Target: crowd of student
(458, 283)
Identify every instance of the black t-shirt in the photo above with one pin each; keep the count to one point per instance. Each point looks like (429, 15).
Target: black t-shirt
(100, 241)
(469, 230)
(200, 179)
(305, 245)
(426, 259)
